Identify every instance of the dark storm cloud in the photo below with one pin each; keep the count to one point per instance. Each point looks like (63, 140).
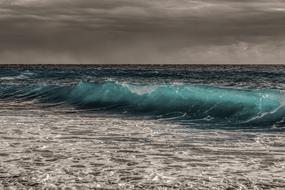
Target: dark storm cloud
(137, 31)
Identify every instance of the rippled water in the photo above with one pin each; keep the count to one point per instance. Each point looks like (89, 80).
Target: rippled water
(52, 143)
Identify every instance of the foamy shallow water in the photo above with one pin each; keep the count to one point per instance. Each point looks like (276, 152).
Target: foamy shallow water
(60, 147)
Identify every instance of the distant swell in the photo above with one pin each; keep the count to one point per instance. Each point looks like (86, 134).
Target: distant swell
(177, 102)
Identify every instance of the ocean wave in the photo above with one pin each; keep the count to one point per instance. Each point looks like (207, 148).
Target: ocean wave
(178, 102)
(20, 76)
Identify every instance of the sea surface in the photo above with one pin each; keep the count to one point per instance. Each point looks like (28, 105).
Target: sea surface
(142, 127)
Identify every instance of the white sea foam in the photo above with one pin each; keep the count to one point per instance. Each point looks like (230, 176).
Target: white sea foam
(140, 90)
(23, 75)
(59, 147)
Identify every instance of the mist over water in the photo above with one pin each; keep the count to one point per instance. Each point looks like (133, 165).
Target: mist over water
(143, 126)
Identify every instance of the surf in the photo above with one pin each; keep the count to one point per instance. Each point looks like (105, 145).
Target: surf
(177, 102)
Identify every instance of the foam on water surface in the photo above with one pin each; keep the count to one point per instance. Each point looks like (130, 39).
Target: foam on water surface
(64, 148)
(142, 127)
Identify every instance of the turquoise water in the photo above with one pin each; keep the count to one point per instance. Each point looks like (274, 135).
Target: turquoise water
(142, 127)
(209, 96)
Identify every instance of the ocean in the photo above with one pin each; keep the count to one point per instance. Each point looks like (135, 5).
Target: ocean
(142, 126)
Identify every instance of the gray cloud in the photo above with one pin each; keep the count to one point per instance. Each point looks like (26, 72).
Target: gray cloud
(136, 31)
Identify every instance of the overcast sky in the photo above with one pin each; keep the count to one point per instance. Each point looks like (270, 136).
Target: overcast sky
(142, 31)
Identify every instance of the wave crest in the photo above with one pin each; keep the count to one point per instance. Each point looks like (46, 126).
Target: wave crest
(182, 102)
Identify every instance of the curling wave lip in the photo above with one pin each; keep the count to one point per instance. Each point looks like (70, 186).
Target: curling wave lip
(181, 103)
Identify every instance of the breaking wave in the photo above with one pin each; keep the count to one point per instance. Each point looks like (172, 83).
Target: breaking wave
(178, 102)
